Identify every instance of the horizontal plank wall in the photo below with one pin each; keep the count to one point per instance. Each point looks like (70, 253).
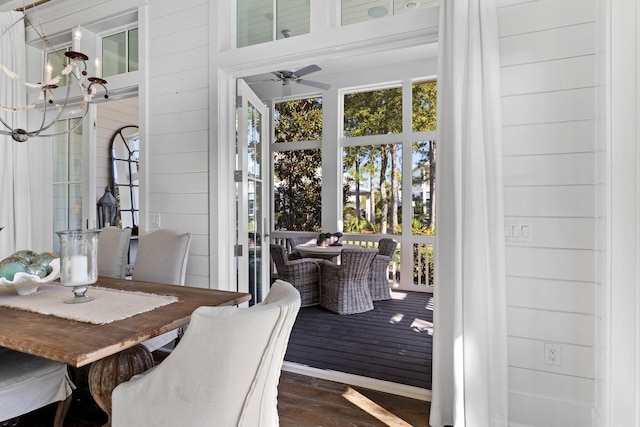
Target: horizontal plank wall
(548, 70)
(178, 143)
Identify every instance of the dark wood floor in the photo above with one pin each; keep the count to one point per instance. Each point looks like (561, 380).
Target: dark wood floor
(302, 402)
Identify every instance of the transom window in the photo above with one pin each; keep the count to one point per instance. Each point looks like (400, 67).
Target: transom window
(261, 21)
(120, 53)
(354, 11)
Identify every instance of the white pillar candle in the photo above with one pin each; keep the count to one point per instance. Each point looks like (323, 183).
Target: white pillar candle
(47, 78)
(79, 272)
(77, 36)
(98, 69)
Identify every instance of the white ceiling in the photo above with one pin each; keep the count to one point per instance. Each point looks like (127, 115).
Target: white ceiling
(333, 71)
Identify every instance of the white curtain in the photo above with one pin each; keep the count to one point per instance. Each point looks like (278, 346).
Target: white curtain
(470, 329)
(15, 209)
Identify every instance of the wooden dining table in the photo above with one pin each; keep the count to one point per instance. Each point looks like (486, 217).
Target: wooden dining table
(111, 346)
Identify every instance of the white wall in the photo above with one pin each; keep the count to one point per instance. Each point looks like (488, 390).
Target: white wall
(548, 66)
(177, 139)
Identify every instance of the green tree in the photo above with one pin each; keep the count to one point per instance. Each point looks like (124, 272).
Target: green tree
(423, 116)
(375, 112)
(298, 173)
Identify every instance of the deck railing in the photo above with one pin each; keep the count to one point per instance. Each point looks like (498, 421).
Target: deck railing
(414, 254)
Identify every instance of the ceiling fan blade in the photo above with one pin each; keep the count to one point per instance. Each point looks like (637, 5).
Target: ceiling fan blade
(307, 70)
(319, 85)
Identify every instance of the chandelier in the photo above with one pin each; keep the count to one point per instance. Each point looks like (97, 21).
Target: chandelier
(52, 111)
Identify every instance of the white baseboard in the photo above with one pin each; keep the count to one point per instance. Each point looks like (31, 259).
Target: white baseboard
(359, 381)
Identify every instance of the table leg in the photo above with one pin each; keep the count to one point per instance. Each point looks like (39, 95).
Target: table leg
(107, 373)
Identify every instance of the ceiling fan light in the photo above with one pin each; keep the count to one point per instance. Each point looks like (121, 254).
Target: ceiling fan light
(377, 12)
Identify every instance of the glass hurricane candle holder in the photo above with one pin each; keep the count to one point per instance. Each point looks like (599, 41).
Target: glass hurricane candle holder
(79, 262)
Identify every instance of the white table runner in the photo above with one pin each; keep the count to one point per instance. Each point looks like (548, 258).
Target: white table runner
(108, 306)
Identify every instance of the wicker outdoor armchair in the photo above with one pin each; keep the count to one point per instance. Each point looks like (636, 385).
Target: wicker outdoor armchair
(295, 241)
(345, 287)
(303, 274)
(379, 272)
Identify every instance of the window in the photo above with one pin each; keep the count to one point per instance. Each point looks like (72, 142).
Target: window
(67, 179)
(372, 172)
(120, 53)
(261, 21)
(57, 61)
(354, 11)
(380, 148)
(298, 165)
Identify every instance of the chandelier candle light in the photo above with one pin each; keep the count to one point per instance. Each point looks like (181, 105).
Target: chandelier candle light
(75, 71)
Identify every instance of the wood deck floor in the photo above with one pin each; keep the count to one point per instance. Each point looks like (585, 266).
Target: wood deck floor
(393, 342)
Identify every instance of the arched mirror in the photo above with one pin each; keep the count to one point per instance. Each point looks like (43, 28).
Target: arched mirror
(125, 162)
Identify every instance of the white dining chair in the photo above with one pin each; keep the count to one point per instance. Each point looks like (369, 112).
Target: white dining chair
(113, 251)
(29, 382)
(162, 257)
(225, 372)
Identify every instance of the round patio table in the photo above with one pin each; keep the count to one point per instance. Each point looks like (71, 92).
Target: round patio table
(324, 252)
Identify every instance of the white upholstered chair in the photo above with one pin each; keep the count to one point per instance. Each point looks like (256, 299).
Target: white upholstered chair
(113, 251)
(162, 258)
(29, 382)
(225, 372)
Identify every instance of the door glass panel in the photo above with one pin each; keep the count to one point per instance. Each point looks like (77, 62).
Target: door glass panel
(251, 247)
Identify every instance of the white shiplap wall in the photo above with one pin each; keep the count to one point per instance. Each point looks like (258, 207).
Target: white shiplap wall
(178, 125)
(548, 66)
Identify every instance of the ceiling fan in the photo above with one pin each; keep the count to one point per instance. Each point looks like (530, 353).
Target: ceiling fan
(286, 77)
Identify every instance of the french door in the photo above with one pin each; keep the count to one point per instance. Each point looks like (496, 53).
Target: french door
(252, 185)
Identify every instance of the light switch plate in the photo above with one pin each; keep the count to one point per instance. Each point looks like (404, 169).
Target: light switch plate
(517, 231)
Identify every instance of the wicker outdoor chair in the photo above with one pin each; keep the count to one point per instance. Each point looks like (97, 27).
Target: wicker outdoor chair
(295, 241)
(345, 287)
(379, 272)
(303, 274)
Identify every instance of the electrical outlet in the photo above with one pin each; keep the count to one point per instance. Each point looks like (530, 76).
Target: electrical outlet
(154, 220)
(552, 354)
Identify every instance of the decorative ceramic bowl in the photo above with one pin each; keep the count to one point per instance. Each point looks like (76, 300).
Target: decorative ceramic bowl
(27, 284)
